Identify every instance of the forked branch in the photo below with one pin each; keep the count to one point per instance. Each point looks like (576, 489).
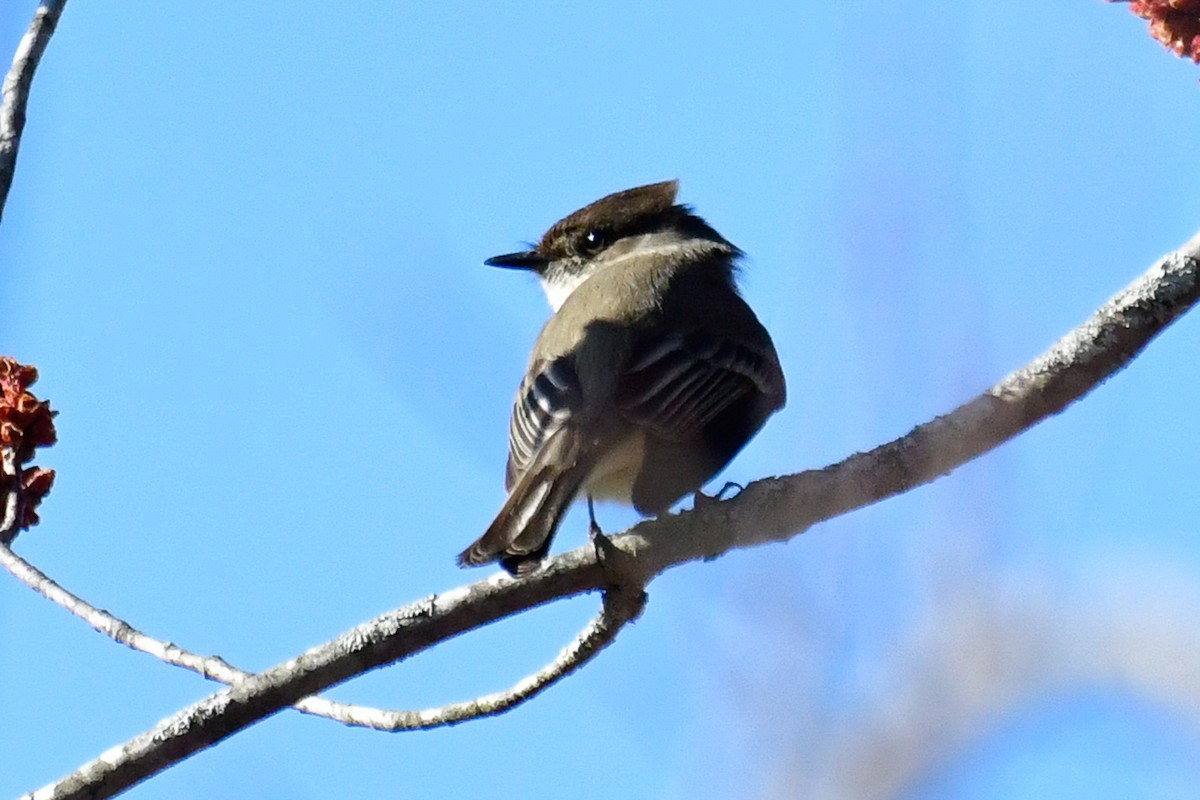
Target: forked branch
(773, 509)
(620, 606)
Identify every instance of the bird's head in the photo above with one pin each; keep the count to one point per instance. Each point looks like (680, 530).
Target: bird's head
(636, 222)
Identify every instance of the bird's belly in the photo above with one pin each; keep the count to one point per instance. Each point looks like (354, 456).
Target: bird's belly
(612, 478)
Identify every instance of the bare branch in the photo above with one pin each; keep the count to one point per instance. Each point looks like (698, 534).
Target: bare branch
(10, 498)
(15, 91)
(773, 509)
(619, 608)
(212, 667)
(386, 639)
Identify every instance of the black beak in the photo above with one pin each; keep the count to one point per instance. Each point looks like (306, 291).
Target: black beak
(526, 259)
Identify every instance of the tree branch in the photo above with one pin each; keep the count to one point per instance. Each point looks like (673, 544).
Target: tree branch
(772, 509)
(619, 608)
(622, 605)
(10, 497)
(212, 667)
(15, 92)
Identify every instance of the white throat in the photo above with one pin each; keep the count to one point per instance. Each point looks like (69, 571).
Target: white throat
(560, 287)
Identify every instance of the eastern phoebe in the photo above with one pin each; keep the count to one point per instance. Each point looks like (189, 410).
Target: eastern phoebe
(648, 379)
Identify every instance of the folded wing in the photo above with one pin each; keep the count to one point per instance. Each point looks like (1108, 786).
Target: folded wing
(683, 381)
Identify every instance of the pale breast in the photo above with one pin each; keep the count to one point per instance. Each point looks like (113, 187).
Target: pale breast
(613, 477)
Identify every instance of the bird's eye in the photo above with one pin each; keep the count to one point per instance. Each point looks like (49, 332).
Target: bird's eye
(595, 240)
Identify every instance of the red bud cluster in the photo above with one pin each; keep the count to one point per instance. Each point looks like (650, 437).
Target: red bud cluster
(1175, 23)
(26, 424)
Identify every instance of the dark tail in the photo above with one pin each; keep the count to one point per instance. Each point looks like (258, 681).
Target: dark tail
(520, 535)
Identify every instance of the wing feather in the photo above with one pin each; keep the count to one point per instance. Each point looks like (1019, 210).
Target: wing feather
(543, 405)
(681, 381)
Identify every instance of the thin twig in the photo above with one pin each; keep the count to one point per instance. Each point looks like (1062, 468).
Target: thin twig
(10, 499)
(619, 608)
(212, 667)
(15, 91)
(773, 509)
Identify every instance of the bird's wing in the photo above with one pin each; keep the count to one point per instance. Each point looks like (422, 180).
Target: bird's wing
(544, 402)
(678, 382)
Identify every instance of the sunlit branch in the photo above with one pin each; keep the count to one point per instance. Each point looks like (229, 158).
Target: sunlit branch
(620, 607)
(772, 509)
(14, 96)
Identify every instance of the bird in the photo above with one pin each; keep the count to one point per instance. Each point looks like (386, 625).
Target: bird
(651, 374)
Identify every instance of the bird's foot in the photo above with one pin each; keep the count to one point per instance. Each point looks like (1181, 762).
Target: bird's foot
(594, 531)
(702, 500)
(595, 535)
(615, 562)
(729, 485)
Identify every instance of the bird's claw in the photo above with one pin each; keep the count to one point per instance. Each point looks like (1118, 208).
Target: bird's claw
(703, 500)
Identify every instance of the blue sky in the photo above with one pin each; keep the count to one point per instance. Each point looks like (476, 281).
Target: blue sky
(244, 249)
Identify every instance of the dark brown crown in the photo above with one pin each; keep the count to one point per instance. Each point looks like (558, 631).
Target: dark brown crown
(616, 215)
